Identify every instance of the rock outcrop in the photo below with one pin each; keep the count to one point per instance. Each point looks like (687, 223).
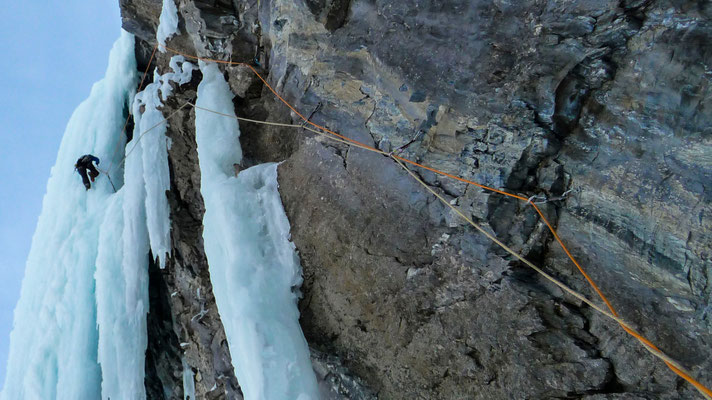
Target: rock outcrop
(603, 107)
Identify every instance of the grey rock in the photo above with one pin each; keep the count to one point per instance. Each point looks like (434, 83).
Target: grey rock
(335, 381)
(188, 301)
(401, 298)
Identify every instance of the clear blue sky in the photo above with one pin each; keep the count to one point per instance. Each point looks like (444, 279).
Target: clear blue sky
(52, 54)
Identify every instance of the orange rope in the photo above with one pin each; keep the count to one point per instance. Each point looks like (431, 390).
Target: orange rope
(585, 275)
(147, 66)
(595, 287)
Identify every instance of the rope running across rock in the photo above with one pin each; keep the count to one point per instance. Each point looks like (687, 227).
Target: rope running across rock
(325, 132)
(672, 364)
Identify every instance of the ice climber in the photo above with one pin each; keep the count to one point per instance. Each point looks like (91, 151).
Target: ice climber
(84, 164)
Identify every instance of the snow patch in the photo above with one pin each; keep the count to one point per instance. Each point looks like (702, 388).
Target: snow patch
(254, 267)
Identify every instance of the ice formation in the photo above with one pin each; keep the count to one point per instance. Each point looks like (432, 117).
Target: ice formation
(254, 267)
(80, 324)
(151, 128)
(68, 323)
(188, 382)
(167, 23)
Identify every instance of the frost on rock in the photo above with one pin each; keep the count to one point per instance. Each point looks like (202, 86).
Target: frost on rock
(253, 265)
(182, 74)
(152, 144)
(80, 324)
(167, 23)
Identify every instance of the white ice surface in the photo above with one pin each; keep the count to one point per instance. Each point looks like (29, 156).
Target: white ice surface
(153, 146)
(80, 324)
(188, 382)
(254, 267)
(81, 314)
(167, 23)
(182, 74)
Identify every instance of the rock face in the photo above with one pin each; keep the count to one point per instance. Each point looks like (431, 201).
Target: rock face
(191, 329)
(604, 107)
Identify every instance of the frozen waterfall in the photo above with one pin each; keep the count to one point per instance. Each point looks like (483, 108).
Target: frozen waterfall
(80, 324)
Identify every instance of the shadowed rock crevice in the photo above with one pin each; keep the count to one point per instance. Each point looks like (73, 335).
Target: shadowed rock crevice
(331, 13)
(163, 358)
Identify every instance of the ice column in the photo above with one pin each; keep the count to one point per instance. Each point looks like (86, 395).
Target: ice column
(254, 267)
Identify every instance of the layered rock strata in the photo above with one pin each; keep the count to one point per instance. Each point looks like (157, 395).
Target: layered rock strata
(605, 101)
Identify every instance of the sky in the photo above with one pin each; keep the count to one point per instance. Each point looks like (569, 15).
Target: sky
(53, 52)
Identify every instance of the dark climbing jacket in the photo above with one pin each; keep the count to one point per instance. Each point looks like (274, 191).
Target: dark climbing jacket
(84, 164)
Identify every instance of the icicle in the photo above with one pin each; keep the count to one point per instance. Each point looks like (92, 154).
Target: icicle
(253, 266)
(167, 23)
(188, 382)
(154, 146)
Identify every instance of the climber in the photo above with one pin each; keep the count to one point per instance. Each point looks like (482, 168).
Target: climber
(83, 164)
